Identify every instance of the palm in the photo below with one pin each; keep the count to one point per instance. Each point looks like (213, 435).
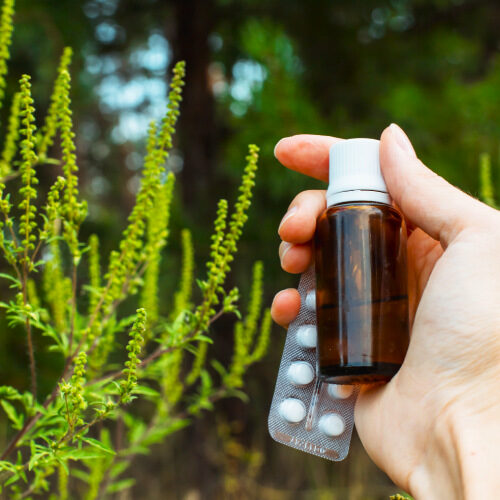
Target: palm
(452, 335)
(423, 253)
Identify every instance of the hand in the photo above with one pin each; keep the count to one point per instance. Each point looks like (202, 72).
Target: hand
(435, 427)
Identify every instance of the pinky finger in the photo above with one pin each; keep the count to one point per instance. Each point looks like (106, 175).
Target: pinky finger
(286, 306)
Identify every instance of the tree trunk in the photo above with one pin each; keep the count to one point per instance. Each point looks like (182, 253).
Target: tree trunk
(193, 25)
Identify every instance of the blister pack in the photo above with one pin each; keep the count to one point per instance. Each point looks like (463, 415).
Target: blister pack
(306, 413)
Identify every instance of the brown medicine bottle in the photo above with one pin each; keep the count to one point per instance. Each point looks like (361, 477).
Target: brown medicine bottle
(361, 274)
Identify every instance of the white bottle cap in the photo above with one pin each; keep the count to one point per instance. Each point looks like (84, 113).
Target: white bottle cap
(300, 373)
(331, 424)
(355, 173)
(292, 410)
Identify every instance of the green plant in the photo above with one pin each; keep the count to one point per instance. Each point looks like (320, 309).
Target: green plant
(240, 464)
(486, 190)
(83, 321)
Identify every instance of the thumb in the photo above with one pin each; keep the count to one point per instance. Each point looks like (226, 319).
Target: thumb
(424, 197)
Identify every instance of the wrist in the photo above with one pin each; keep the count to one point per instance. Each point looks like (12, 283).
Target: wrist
(461, 457)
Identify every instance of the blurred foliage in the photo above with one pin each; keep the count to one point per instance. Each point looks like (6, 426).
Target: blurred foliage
(259, 70)
(485, 180)
(84, 430)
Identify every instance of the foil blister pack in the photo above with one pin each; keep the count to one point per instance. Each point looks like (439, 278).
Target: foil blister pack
(306, 413)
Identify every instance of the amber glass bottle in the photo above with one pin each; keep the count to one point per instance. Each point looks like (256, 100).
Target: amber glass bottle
(361, 276)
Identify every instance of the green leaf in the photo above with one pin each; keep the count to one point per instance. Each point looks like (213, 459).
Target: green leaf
(13, 479)
(17, 420)
(8, 392)
(146, 391)
(48, 331)
(219, 368)
(125, 322)
(80, 474)
(11, 278)
(120, 485)
(99, 445)
(204, 338)
(7, 466)
(34, 460)
(235, 393)
(135, 426)
(192, 348)
(137, 450)
(160, 433)
(118, 468)
(84, 453)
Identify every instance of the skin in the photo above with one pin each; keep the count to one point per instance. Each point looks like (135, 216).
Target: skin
(435, 427)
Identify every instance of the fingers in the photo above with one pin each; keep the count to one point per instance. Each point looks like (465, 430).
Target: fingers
(423, 253)
(308, 154)
(425, 198)
(285, 307)
(295, 258)
(297, 230)
(299, 223)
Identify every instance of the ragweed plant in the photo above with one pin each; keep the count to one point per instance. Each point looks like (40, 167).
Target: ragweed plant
(62, 289)
(486, 190)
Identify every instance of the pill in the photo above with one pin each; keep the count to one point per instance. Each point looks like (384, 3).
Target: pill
(292, 410)
(300, 373)
(306, 336)
(340, 391)
(311, 300)
(331, 424)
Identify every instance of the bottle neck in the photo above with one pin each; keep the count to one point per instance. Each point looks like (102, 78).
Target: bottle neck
(357, 195)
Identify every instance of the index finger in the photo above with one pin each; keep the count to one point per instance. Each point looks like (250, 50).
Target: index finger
(306, 153)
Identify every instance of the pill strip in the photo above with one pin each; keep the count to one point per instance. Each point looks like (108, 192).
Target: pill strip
(307, 414)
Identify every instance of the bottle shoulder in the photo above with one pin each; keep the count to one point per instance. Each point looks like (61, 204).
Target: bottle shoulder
(361, 209)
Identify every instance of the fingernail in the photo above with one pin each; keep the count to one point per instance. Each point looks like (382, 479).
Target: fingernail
(289, 214)
(276, 147)
(402, 139)
(284, 247)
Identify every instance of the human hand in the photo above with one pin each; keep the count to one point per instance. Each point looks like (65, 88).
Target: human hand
(435, 427)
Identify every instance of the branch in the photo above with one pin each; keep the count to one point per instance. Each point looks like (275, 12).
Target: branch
(32, 357)
(73, 310)
(159, 351)
(34, 419)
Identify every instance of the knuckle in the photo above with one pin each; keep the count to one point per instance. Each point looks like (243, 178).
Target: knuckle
(315, 196)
